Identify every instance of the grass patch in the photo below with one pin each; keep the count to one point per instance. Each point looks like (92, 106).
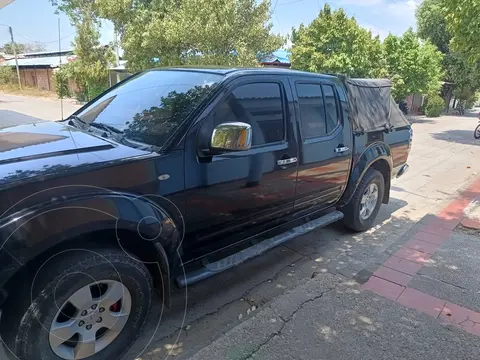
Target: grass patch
(26, 91)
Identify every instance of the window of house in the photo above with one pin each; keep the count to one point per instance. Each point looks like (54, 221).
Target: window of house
(257, 104)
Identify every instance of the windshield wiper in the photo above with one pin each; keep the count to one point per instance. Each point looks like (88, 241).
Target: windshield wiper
(75, 119)
(118, 135)
(106, 127)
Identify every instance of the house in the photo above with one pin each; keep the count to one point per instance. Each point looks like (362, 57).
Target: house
(36, 69)
(117, 73)
(279, 58)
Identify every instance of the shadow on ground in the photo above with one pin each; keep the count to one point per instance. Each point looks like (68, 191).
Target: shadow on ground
(457, 136)
(205, 311)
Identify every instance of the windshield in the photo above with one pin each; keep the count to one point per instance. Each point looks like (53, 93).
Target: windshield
(150, 106)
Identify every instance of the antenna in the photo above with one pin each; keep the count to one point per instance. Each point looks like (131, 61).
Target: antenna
(60, 64)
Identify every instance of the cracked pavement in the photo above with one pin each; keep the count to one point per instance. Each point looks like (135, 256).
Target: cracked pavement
(302, 300)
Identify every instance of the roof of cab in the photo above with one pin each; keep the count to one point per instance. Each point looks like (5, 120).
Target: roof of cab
(247, 71)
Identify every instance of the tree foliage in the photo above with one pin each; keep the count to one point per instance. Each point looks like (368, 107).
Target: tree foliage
(90, 69)
(335, 43)
(432, 25)
(7, 75)
(463, 22)
(412, 65)
(22, 48)
(192, 32)
(432, 18)
(435, 106)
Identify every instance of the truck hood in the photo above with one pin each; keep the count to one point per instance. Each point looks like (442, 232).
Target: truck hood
(50, 149)
(46, 139)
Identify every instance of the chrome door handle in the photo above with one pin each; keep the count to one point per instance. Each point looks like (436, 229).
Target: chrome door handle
(287, 161)
(341, 149)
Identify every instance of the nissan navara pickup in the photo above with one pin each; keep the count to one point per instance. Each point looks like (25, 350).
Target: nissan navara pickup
(170, 177)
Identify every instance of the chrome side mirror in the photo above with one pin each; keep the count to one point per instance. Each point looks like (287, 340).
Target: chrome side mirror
(234, 136)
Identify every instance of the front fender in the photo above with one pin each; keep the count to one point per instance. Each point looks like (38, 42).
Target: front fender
(376, 152)
(31, 232)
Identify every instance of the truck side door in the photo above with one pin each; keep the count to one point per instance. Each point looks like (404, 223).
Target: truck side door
(232, 196)
(325, 143)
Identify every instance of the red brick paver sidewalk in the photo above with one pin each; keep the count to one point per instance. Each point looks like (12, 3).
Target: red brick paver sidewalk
(391, 280)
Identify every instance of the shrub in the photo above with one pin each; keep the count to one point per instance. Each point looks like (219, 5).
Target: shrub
(95, 90)
(7, 75)
(435, 106)
(61, 83)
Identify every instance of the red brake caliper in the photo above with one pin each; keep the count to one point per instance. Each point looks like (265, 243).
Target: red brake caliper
(115, 307)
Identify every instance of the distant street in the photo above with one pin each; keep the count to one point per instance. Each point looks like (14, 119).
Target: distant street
(15, 109)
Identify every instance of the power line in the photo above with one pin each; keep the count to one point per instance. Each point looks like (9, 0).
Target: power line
(290, 2)
(45, 42)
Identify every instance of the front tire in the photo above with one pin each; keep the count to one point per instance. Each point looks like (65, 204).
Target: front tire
(361, 211)
(81, 304)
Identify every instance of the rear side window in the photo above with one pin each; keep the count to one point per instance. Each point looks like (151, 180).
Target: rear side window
(312, 110)
(331, 107)
(258, 104)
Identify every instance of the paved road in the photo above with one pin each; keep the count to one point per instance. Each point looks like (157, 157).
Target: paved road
(16, 109)
(442, 161)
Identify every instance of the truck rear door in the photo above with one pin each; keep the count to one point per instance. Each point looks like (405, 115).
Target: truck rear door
(325, 142)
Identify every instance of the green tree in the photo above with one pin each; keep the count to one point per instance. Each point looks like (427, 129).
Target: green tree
(463, 22)
(90, 69)
(7, 75)
(22, 48)
(412, 65)
(432, 25)
(191, 32)
(335, 43)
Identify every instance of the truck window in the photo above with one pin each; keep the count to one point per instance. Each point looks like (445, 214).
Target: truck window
(258, 104)
(312, 110)
(150, 107)
(331, 107)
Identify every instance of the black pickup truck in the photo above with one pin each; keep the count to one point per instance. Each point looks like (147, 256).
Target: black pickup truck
(170, 177)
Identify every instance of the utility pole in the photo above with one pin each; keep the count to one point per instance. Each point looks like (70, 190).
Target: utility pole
(16, 59)
(60, 65)
(117, 55)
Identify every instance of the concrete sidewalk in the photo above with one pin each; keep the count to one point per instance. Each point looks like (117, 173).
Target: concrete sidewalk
(421, 301)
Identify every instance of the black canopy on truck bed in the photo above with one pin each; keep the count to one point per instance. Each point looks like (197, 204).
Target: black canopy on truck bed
(371, 105)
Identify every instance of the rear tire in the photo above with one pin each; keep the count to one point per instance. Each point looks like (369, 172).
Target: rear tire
(32, 313)
(359, 213)
(476, 133)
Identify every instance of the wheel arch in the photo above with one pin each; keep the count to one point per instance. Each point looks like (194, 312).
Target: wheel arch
(377, 156)
(78, 223)
(151, 254)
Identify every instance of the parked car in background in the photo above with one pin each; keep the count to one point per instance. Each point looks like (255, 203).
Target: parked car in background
(170, 177)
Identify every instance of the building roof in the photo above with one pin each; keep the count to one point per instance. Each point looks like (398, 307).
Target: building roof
(281, 56)
(46, 53)
(46, 61)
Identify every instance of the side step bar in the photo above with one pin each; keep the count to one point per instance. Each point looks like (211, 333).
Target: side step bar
(255, 250)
